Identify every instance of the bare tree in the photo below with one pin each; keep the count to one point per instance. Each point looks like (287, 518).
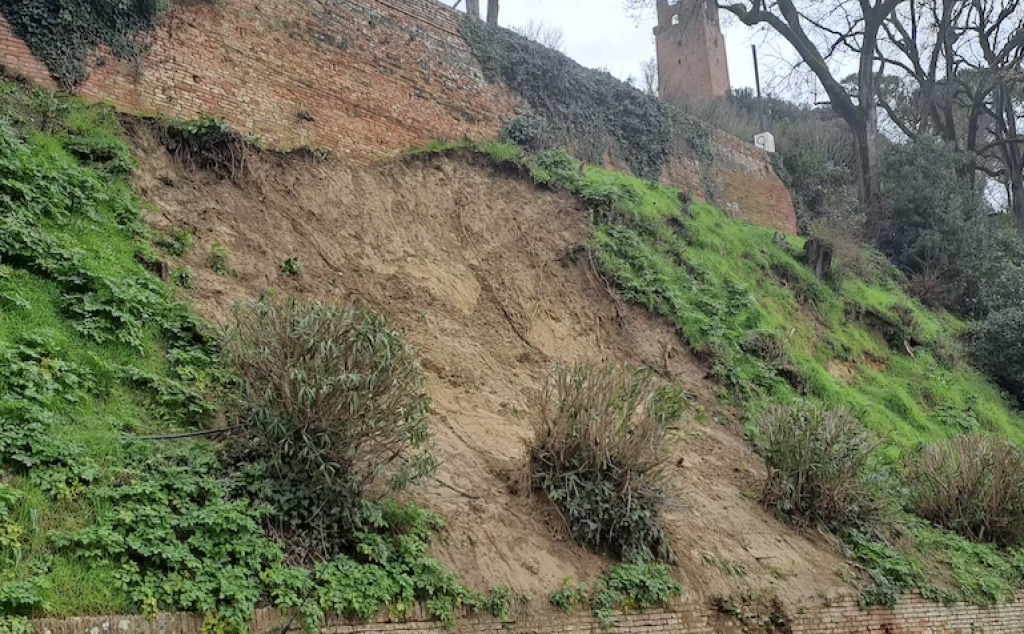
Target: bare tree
(955, 72)
(649, 76)
(492, 12)
(550, 36)
(473, 8)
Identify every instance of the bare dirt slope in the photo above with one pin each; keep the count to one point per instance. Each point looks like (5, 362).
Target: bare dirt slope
(476, 268)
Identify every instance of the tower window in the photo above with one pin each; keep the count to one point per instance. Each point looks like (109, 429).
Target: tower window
(675, 20)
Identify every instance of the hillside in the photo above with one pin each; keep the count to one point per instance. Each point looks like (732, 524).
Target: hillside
(494, 264)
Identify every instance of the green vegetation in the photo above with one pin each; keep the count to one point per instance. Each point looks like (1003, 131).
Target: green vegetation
(818, 463)
(973, 486)
(174, 242)
(773, 335)
(625, 586)
(104, 507)
(597, 116)
(598, 456)
(333, 401)
(292, 267)
(219, 259)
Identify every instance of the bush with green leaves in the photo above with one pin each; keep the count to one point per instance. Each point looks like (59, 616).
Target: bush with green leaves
(636, 585)
(176, 539)
(972, 485)
(176, 241)
(892, 573)
(389, 568)
(998, 348)
(598, 455)
(818, 459)
(219, 258)
(334, 402)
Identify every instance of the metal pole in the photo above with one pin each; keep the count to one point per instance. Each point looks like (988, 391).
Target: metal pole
(757, 81)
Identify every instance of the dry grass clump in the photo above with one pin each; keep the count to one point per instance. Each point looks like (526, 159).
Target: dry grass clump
(817, 458)
(972, 485)
(599, 455)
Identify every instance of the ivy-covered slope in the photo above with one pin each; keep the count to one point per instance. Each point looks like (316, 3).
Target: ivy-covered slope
(772, 334)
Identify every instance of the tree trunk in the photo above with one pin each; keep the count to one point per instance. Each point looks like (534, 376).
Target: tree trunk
(869, 184)
(492, 12)
(1017, 200)
(473, 8)
(866, 131)
(818, 256)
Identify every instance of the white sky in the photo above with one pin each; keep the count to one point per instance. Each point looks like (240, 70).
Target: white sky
(602, 34)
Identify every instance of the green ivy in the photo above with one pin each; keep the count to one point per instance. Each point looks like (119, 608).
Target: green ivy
(61, 33)
(591, 111)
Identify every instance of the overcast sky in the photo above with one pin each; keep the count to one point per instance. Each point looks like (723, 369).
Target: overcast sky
(602, 34)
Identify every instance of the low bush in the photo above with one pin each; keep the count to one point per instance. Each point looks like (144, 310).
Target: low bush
(971, 485)
(627, 586)
(599, 454)
(816, 460)
(334, 402)
(999, 349)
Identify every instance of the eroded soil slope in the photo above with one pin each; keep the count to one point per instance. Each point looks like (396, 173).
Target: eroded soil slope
(478, 269)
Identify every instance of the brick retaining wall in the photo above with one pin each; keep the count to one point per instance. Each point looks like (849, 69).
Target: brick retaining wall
(835, 615)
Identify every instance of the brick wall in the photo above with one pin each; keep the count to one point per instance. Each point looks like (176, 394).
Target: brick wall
(365, 78)
(17, 59)
(836, 615)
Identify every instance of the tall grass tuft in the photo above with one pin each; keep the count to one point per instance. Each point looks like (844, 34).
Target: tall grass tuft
(599, 455)
(334, 402)
(972, 485)
(816, 459)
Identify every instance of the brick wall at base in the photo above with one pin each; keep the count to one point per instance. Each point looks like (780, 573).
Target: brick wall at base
(365, 78)
(836, 615)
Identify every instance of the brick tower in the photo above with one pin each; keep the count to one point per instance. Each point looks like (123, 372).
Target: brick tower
(691, 50)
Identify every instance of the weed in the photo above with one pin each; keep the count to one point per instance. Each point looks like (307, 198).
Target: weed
(726, 566)
(175, 242)
(569, 596)
(632, 586)
(497, 603)
(219, 259)
(292, 266)
(891, 572)
(389, 568)
(183, 277)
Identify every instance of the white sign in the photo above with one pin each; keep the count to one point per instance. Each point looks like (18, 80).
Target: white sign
(765, 141)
